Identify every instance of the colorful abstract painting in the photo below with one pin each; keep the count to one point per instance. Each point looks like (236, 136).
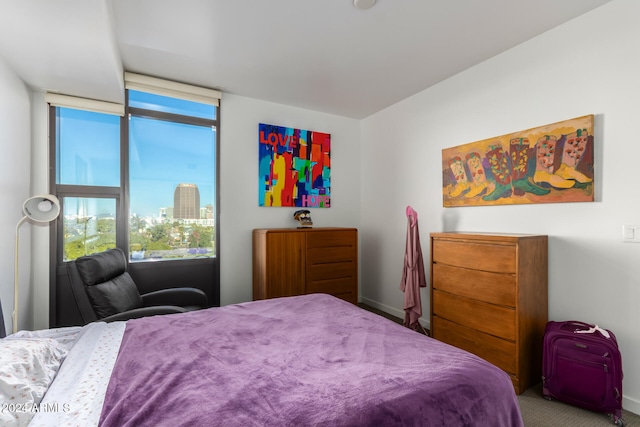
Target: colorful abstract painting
(294, 167)
(547, 164)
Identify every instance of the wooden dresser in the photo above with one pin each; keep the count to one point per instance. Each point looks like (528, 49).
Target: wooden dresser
(296, 261)
(489, 296)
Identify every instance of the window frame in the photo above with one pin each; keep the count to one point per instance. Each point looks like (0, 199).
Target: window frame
(121, 195)
(65, 190)
(175, 118)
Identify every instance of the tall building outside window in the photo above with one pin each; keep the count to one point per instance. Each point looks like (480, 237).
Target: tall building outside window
(186, 202)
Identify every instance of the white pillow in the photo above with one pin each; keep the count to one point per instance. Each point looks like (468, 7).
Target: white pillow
(27, 367)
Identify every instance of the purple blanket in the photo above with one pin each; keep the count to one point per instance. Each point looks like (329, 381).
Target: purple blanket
(298, 361)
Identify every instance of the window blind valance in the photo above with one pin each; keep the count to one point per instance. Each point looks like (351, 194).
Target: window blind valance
(172, 89)
(58, 100)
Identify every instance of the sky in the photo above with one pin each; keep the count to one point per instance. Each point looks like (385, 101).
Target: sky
(162, 154)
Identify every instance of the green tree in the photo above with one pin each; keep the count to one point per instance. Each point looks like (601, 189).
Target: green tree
(160, 232)
(106, 226)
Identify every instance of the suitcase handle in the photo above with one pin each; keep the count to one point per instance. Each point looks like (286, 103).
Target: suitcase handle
(577, 323)
(591, 330)
(588, 328)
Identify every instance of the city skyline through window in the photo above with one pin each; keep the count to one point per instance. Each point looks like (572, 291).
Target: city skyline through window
(171, 150)
(158, 171)
(164, 155)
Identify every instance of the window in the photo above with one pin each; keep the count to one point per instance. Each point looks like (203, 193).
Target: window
(89, 148)
(172, 153)
(87, 179)
(89, 226)
(144, 182)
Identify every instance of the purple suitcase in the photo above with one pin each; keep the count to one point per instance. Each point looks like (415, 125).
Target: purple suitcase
(583, 367)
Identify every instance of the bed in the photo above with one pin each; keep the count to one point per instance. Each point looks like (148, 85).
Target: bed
(295, 361)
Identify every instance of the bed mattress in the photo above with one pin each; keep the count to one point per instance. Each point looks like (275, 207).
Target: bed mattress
(311, 360)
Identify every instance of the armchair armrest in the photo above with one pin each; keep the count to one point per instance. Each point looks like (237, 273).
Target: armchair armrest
(183, 297)
(143, 312)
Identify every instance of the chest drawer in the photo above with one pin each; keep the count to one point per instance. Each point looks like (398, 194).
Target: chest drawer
(318, 272)
(488, 318)
(344, 288)
(330, 239)
(494, 288)
(319, 255)
(478, 256)
(492, 349)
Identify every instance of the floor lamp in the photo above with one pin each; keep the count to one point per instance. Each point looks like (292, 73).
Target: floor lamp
(42, 208)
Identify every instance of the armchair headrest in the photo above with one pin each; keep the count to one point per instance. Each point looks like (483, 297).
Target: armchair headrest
(101, 267)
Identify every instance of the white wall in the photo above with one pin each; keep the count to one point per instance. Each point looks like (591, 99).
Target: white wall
(240, 212)
(587, 66)
(15, 144)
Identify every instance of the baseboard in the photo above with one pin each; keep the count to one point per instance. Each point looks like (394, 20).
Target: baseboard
(392, 310)
(631, 405)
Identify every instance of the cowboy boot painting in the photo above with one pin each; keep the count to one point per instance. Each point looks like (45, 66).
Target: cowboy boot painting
(462, 183)
(545, 160)
(520, 150)
(574, 148)
(499, 164)
(479, 182)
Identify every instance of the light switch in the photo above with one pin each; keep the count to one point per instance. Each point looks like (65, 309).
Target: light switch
(631, 233)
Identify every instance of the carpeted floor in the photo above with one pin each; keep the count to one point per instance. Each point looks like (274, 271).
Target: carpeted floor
(540, 412)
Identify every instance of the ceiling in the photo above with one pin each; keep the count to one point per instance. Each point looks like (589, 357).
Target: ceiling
(322, 55)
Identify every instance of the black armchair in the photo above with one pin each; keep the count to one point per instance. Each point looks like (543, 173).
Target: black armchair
(104, 290)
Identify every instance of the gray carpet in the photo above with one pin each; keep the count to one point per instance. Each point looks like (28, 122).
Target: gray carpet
(539, 412)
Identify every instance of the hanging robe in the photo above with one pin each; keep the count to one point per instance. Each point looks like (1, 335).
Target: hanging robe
(413, 275)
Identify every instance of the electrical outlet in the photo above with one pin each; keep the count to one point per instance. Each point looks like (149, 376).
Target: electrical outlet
(631, 233)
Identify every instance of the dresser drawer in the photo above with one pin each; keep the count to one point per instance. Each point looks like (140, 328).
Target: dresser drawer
(488, 318)
(318, 256)
(330, 239)
(494, 288)
(492, 349)
(344, 288)
(336, 271)
(478, 256)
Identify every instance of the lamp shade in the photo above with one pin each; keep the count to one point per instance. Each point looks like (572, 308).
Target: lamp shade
(363, 4)
(42, 208)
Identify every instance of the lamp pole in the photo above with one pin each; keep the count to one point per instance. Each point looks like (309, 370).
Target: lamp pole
(15, 276)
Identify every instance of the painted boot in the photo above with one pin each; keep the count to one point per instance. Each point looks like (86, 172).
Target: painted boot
(479, 182)
(574, 149)
(462, 183)
(545, 163)
(499, 164)
(520, 154)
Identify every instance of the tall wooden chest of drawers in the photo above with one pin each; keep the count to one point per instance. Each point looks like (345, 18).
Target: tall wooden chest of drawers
(489, 296)
(297, 261)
